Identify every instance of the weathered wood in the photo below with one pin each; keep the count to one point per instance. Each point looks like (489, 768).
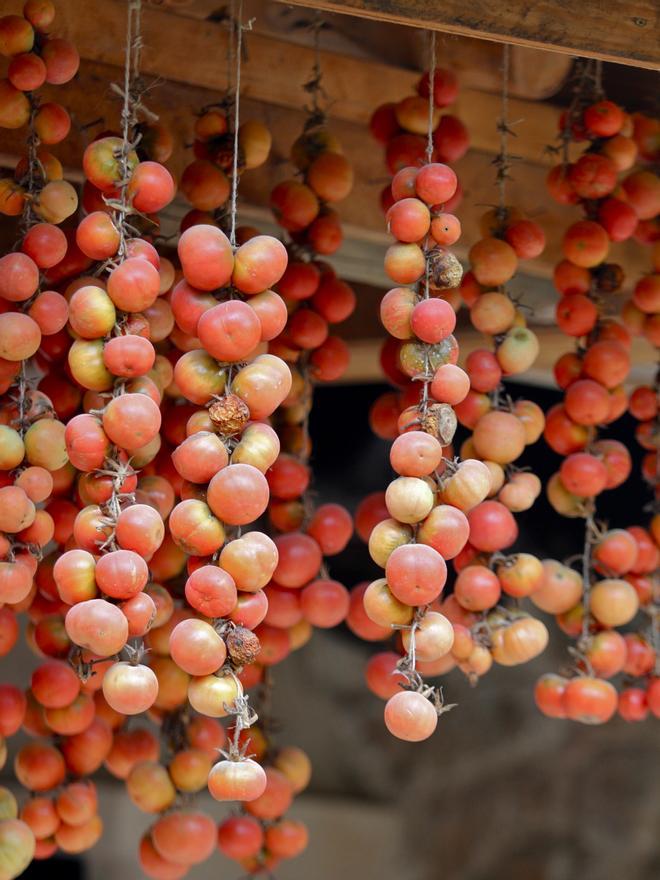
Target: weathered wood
(625, 31)
(534, 73)
(187, 50)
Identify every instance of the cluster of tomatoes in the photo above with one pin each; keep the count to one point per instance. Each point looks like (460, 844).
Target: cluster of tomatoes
(304, 206)
(501, 430)
(403, 128)
(152, 418)
(508, 237)
(639, 314)
(618, 565)
(627, 560)
(316, 298)
(139, 466)
(421, 524)
(206, 181)
(615, 210)
(470, 516)
(283, 587)
(260, 836)
(111, 343)
(33, 453)
(36, 58)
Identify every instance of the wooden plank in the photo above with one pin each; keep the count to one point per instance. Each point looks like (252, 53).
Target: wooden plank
(625, 31)
(187, 50)
(534, 74)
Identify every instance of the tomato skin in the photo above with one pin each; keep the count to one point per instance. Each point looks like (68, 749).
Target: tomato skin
(477, 588)
(590, 700)
(549, 693)
(434, 638)
(633, 704)
(184, 837)
(286, 838)
(519, 641)
(653, 696)
(520, 574)
(606, 653)
(616, 552)
(240, 837)
(276, 797)
(54, 684)
(410, 716)
(640, 656)
(492, 526)
(130, 688)
(155, 866)
(237, 781)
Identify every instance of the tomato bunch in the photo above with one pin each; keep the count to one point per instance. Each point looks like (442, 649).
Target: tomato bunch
(641, 693)
(402, 127)
(32, 447)
(501, 430)
(410, 529)
(36, 58)
(157, 528)
(316, 298)
(618, 565)
(462, 509)
(261, 836)
(143, 451)
(206, 181)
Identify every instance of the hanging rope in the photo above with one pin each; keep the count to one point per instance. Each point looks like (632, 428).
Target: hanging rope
(426, 291)
(230, 48)
(598, 77)
(129, 118)
(237, 93)
(432, 66)
(503, 128)
(315, 82)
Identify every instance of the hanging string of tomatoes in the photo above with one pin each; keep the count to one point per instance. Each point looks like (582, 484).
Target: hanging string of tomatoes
(591, 605)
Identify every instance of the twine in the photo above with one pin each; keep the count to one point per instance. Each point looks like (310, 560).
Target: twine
(237, 92)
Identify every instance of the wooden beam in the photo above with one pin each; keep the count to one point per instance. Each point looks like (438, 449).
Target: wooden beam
(534, 74)
(187, 50)
(625, 31)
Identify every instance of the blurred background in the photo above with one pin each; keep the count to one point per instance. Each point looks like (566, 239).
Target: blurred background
(498, 793)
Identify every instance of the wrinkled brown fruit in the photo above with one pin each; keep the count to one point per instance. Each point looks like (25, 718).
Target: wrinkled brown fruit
(440, 421)
(229, 415)
(243, 646)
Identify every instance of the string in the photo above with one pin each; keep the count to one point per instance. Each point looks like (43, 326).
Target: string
(128, 115)
(411, 655)
(429, 136)
(598, 77)
(230, 49)
(237, 92)
(503, 127)
(316, 78)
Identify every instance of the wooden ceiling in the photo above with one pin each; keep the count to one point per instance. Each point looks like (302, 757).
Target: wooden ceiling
(364, 63)
(625, 31)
